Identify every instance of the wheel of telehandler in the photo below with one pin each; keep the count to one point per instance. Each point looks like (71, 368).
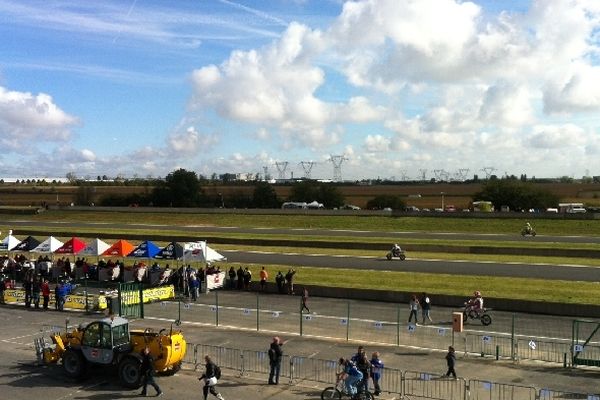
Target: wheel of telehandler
(130, 372)
(74, 363)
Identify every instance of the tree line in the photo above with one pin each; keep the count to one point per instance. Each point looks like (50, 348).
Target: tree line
(182, 188)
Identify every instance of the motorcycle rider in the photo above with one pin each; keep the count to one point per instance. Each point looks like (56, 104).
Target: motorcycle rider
(396, 250)
(528, 228)
(476, 303)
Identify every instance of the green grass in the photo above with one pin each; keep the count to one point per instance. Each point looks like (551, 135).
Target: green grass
(459, 285)
(373, 223)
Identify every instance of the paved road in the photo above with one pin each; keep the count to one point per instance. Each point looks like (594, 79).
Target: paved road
(524, 270)
(393, 236)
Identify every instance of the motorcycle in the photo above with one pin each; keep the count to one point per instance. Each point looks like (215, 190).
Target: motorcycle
(528, 231)
(482, 315)
(396, 253)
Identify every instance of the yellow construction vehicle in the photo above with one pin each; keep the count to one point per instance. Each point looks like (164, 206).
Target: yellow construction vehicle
(109, 342)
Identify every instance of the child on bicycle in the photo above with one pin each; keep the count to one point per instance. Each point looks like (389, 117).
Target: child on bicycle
(350, 375)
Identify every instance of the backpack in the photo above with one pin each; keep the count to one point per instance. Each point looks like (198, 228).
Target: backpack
(217, 372)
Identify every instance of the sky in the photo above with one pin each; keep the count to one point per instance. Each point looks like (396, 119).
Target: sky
(390, 89)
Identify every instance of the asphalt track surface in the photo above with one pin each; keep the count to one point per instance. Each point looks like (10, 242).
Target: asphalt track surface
(524, 270)
(457, 267)
(393, 236)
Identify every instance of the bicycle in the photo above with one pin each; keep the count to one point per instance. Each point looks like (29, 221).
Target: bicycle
(339, 390)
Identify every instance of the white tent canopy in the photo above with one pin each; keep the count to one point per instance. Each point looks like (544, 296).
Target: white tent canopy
(95, 248)
(9, 242)
(48, 246)
(199, 251)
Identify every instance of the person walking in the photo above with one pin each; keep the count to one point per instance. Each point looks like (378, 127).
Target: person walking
(376, 367)
(304, 305)
(275, 356)
(451, 361)
(264, 275)
(413, 306)
(147, 370)
(211, 376)
(425, 307)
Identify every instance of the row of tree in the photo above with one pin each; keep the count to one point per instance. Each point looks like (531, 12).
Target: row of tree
(182, 188)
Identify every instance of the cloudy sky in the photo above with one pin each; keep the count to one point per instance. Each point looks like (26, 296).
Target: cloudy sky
(396, 87)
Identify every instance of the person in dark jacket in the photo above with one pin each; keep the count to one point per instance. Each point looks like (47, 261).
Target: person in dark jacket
(147, 371)
(240, 278)
(451, 361)
(232, 276)
(210, 379)
(275, 356)
(279, 280)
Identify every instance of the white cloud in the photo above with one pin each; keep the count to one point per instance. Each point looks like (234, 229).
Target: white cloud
(377, 143)
(190, 142)
(25, 117)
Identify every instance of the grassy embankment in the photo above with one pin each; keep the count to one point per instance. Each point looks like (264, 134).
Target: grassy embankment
(516, 288)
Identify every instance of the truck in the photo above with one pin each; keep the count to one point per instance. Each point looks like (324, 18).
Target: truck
(109, 342)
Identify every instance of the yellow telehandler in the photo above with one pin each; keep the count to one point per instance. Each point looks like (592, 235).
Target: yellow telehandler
(109, 342)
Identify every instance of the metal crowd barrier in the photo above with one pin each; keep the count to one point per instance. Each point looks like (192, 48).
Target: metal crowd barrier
(406, 384)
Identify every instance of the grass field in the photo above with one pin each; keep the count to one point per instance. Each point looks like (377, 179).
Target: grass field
(373, 223)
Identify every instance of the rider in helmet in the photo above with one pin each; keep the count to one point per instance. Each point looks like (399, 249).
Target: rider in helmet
(476, 303)
(528, 227)
(396, 250)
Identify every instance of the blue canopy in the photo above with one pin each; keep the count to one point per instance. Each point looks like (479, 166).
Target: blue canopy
(145, 249)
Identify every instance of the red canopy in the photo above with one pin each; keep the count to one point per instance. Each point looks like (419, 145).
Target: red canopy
(73, 246)
(121, 249)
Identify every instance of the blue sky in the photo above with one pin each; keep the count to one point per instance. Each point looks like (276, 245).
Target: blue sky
(140, 88)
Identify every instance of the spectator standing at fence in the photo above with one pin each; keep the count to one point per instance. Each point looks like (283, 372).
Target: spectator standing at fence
(46, 293)
(413, 306)
(240, 278)
(2, 288)
(304, 305)
(232, 275)
(279, 280)
(36, 288)
(364, 366)
(425, 307)
(264, 275)
(28, 286)
(376, 369)
(247, 278)
(194, 286)
(275, 356)
(451, 362)
(210, 379)
(289, 280)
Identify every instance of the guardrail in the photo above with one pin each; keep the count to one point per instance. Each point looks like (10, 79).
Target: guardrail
(406, 384)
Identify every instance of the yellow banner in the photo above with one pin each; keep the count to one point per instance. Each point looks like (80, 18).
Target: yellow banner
(95, 302)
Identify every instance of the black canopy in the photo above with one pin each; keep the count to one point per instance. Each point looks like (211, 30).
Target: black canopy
(173, 251)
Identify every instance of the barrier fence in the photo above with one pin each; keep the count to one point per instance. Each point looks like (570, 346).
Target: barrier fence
(405, 384)
(521, 338)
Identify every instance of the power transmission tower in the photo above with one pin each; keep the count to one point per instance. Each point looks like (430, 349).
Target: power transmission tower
(403, 175)
(307, 166)
(266, 173)
(281, 167)
(488, 171)
(423, 174)
(337, 166)
(462, 174)
(439, 174)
